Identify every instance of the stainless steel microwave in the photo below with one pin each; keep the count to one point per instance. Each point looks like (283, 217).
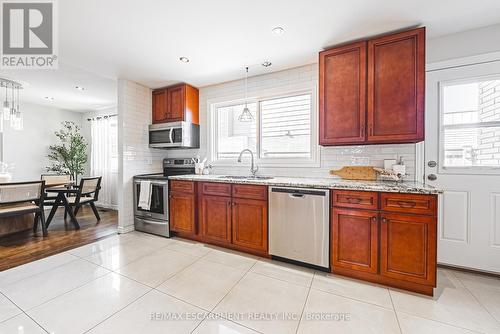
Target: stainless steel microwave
(174, 135)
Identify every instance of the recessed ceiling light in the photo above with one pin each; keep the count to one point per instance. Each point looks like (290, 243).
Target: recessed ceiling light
(184, 59)
(266, 64)
(278, 31)
(80, 88)
(49, 98)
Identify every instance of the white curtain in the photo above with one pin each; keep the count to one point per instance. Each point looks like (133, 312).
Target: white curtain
(104, 158)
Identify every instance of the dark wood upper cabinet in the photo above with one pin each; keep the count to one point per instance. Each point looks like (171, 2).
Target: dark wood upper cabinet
(373, 92)
(176, 103)
(342, 98)
(396, 87)
(160, 101)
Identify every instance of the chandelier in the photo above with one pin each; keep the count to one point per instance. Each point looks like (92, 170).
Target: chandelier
(11, 113)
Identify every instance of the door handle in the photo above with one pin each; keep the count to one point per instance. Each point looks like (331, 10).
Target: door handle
(374, 219)
(405, 204)
(432, 164)
(297, 195)
(432, 177)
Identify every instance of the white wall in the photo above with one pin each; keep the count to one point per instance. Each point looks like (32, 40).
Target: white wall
(134, 117)
(464, 44)
(292, 79)
(27, 149)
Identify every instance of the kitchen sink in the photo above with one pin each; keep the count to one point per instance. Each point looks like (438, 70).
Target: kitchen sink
(243, 177)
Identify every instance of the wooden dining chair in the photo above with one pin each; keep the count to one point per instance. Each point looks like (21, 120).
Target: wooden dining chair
(20, 198)
(88, 194)
(52, 180)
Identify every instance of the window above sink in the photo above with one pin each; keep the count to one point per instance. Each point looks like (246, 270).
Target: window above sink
(283, 132)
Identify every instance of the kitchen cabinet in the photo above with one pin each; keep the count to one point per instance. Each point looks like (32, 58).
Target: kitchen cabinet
(216, 218)
(355, 239)
(408, 247)
(396, 87)
(249, 219)
(182, 213)
(342, 98)
(176, 103)
(373, 92)
(234, 215)
(160, 100)
(386, 238)
(182, 207)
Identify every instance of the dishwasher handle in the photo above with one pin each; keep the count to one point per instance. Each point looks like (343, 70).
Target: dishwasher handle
(300, 191)
(296, 195)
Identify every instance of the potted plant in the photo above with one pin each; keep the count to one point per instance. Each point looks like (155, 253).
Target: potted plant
(70, 156)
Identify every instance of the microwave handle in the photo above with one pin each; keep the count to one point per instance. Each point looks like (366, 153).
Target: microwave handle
(170, 135)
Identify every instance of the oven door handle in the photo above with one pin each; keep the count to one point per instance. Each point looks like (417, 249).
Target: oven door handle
(150, 221)
(170, 135)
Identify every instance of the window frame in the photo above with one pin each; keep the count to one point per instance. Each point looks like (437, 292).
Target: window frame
(312, 161)
(454, 170)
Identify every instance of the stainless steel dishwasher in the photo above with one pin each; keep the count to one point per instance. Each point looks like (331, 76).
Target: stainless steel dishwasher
(299, 224)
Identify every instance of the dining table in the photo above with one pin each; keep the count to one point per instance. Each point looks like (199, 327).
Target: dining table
(62, 192)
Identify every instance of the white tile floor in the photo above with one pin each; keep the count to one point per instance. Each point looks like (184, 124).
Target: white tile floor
(138, 283)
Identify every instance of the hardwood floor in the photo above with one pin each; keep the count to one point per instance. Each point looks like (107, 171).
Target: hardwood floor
(23, 247)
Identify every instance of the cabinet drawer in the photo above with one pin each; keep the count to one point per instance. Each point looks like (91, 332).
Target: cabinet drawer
(409, 203)
(218, 189)
(355, 199)
(250, 191)
(182, 186)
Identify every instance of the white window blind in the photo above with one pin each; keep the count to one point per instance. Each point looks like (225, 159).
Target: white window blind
(282, 131)
(286, 127)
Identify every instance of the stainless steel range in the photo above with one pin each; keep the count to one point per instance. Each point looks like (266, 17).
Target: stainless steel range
(155, 218)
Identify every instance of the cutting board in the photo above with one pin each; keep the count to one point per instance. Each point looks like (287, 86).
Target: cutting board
(356, 173)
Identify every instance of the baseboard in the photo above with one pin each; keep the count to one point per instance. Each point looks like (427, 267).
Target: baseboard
(125, 229)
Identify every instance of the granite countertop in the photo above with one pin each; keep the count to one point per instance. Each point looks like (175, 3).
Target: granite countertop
(325, 183)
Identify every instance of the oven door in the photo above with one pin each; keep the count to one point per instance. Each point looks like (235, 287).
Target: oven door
(165, 137)
(159, 201)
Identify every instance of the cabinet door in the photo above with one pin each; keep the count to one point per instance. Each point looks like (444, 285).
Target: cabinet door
(396, 87)
(182, 212)
(160, 102)
(216, 218)
(408, 248)
(176, 99)
(250, 224)
(355, 240)
(342, 95)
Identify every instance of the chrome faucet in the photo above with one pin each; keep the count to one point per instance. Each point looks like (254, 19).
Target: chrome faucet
(253, 168)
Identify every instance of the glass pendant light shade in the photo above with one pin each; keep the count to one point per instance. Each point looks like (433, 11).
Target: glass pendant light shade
(11, 111)
(6, 110)
(246, 115)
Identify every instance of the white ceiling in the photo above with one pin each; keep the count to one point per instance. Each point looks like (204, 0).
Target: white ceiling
(143, 40)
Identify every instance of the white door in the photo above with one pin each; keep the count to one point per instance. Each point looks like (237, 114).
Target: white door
(462, 156)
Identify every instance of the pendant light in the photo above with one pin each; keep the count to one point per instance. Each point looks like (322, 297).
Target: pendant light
(11, 110)
(246, 115)
(6, 105)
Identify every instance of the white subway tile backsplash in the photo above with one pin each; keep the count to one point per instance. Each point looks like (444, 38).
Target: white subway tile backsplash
(331, 157)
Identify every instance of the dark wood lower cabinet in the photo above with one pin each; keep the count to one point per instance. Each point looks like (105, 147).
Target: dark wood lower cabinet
(249, 218)
(182, 213)
(408, 248)
(215, 216)
(392, 248)
(355, 239)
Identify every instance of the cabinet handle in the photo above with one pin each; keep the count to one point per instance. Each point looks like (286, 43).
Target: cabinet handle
(384, 220)
(374, 219)
(406, 204)
(353, 200)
